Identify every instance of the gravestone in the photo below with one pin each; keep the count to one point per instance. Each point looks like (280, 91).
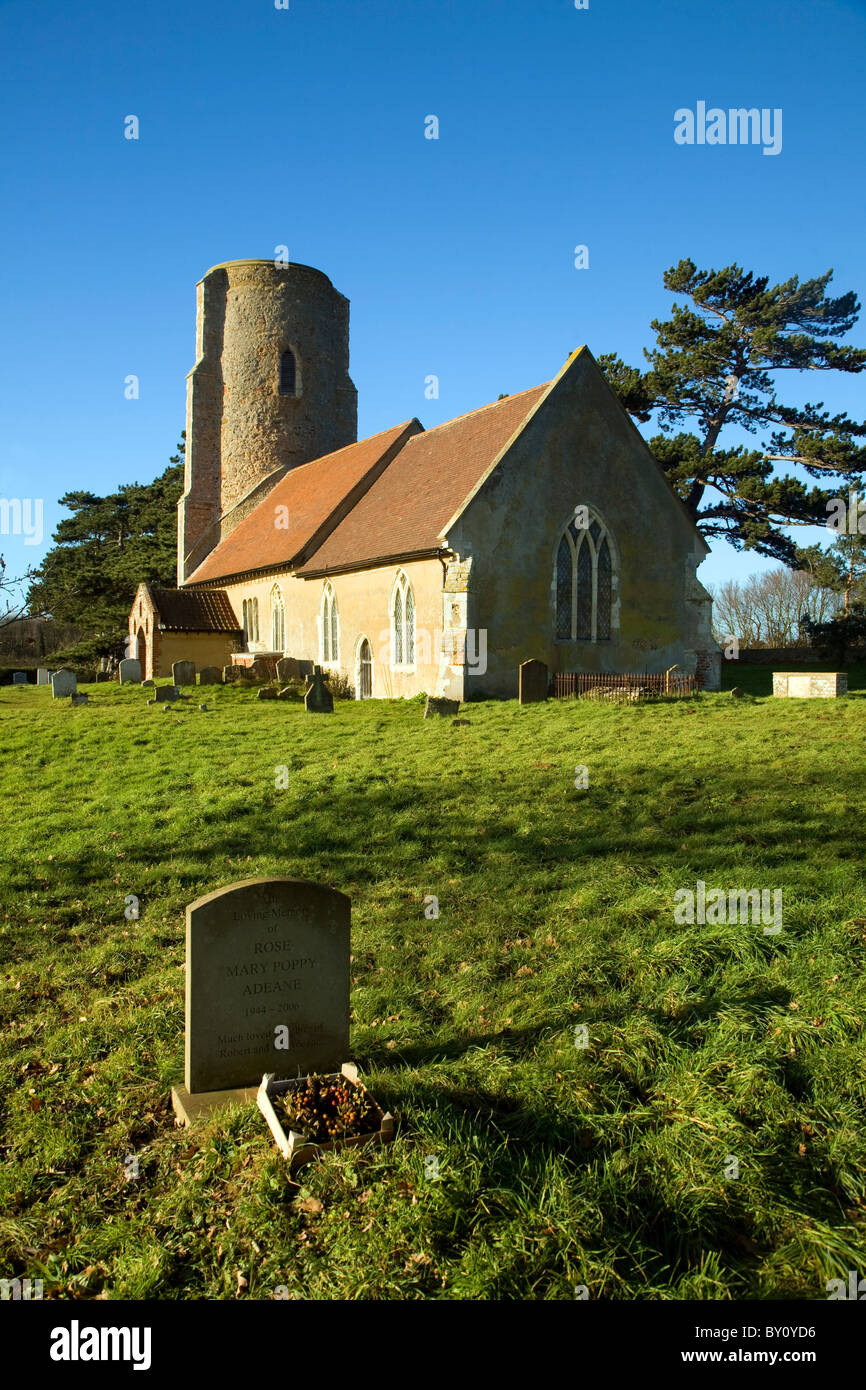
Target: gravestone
(79, 698)
(210, 675)
(267, 962)
(258, 671)
(289, 668)
(63, 683)
(148, 682)
(231, 674)
(267, 692)
(737, 692)
(166, 692)
(447, 708)
(19, 677)
(183, 672)
(43, 675)
(800, 685)
(532, 682)
(128, 670)
(318, 698)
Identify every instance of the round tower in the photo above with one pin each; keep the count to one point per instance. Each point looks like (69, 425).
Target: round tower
(270, 390)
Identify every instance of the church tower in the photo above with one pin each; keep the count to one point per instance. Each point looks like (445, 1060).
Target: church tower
(270, 390)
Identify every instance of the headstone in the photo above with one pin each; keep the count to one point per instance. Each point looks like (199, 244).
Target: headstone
(231, 674)
(43, 675)
(63, 683)
(210, 675)
(166, 692)
(810, 685)
(441, 706)
(128, 670)
(267, 692)
(288, 669)
(460, 724)
(183, 672)
(79, 698)
(532, 682)
(148, 682)
(267, 986)
(318, 698)
(19, 678)
(737, 692)
(258, 671)
(287, 693)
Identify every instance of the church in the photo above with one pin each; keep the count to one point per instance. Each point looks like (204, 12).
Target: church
(414, 560)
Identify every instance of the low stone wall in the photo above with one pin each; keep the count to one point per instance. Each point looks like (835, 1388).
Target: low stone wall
(786, 656)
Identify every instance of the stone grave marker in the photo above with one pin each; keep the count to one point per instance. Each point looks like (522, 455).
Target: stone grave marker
(267, 962)
(19, 677)
(809, 685)
(183, 672)
(166, 692)
(231, 674)
(63, 683)
(267, 692)
(129, 670)
(532, 682)
(318, 698)
(210, 675)
(438, 705)
(289, 669)
(43, 675)
(79, 698)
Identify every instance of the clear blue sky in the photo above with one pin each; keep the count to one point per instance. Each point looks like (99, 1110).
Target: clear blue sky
(261, 127)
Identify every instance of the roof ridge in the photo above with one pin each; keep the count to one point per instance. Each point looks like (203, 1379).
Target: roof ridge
(368, 438)
(479, 408)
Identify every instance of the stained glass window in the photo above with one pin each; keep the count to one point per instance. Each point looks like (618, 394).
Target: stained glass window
(603, 594)
(410, 627)
(398, 628)
(278, 622)
(563, 589)
(584, 591)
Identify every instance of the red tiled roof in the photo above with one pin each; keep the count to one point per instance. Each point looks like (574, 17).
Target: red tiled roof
(203, 610)
(311, 494)
(419, 492)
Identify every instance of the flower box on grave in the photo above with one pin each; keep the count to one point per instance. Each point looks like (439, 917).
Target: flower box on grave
(298, 1148)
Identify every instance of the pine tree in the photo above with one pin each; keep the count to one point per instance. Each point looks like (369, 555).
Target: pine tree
(105, 549)
(714, 365)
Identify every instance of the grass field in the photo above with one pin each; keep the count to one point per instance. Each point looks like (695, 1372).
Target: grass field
(558, 1166)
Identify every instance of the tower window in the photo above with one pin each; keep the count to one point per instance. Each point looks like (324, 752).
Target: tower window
(288, 373)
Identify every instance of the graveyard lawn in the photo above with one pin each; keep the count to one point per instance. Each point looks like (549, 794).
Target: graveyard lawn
(525, 1166)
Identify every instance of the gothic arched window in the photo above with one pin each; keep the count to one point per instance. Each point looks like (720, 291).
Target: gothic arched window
(583, 582)
(278, 621)
(403, 621)
(288, 373)
(330, 645)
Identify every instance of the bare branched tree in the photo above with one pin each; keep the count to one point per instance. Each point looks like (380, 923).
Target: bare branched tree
(765, 610)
